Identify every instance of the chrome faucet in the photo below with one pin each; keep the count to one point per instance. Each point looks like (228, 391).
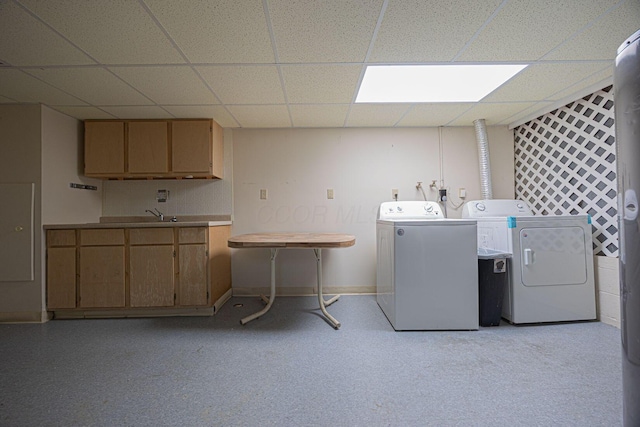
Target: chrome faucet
(158, 215)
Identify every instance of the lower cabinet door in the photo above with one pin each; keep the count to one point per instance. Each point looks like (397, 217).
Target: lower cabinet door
(61, 278)
(151, 275)
(102, 282)
(192, 277)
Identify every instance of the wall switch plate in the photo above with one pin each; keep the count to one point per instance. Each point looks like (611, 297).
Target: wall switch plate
(263, 194)
(330, 193)
(462, 193)
(394, 194)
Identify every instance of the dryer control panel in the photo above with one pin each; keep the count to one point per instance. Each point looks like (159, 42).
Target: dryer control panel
(410, 210)
(495, 208)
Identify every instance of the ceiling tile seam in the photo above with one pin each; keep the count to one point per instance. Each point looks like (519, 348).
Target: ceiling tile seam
(184, 56)
(55, 87)
(477, 33)
(153, 101)
(411, 107)
(363, 67)
(276, 56)
(460, 115)
(584, 28)
(43, 22)
(164, 31)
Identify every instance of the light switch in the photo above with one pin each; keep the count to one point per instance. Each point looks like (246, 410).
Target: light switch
(330, 193)
(263, 194)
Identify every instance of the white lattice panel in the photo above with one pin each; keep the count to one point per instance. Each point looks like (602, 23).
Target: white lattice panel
(565, 164)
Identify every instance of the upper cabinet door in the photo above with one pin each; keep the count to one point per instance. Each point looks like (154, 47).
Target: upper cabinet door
(103, 148)
(191, 147)
(148, 147)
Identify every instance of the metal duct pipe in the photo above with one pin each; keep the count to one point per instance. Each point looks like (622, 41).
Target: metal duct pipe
(483, 156)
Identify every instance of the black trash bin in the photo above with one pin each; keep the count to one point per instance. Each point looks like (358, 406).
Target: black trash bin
(492, 279)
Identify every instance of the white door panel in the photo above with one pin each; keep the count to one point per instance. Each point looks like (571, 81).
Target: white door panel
(16, 232)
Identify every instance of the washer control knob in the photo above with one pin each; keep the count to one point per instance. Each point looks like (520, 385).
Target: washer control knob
(428, 208)
(480, 206)
(399, 209)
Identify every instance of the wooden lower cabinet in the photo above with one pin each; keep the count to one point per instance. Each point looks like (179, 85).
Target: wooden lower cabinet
(151, 268)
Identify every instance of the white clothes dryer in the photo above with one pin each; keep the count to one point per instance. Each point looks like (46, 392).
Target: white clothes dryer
(551, 277)
(427, 268)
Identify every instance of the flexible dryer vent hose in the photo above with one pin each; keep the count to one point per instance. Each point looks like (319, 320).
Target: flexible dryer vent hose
(483, 157)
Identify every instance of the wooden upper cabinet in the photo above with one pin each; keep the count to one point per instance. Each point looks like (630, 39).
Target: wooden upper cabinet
(125, 149)
(148, 147)
(104, 148)
(191, 147)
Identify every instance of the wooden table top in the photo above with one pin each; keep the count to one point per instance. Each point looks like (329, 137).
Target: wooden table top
(292, 240)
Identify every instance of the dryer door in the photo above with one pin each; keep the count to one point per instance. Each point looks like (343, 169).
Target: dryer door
(553, 256)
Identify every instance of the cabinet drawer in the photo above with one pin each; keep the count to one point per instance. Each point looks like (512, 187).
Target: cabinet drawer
(192, 235)
(102, 237)
(61, 238)
(151, 236)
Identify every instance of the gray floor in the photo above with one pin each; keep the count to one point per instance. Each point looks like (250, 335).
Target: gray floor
(290, 368)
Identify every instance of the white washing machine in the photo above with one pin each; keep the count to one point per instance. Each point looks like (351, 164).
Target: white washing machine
(427, 268)
(551, 276)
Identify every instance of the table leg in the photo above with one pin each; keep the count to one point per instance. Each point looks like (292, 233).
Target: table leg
(321, 300)
(272, 296)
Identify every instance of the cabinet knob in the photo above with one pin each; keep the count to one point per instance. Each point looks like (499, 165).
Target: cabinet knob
(19, 228)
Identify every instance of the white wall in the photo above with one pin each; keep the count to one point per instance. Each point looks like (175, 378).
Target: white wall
(186, 196)
(62, 164)
(362, 166)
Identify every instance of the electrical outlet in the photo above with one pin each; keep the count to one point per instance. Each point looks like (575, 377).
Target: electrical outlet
(330, 193)
(263, 194)
(394, 194)
(462, 193)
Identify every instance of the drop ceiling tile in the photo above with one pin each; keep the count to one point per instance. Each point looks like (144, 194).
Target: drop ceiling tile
(536, 110)
(224, 31)
(239, 84)
(601, 41)
(312, 116)
(167, 85)
(604, 76)
(491, 113)
(112, 32)
(84, 113)
(25, 88)
(550, 23)
(215, 112)
(324, 84)
(433, 114)
(261, 116)
(428, 31)
(27, 41)
(541, 81)
(96, 86)
(326, 31)
(376, 115)
(138, 112)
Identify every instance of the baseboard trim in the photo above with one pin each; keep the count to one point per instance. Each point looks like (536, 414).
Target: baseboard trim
(25, 317)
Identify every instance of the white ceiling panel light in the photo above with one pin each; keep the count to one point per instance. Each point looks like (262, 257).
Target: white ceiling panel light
(433, 83)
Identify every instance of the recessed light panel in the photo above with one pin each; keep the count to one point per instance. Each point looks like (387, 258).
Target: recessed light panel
(433, 83)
